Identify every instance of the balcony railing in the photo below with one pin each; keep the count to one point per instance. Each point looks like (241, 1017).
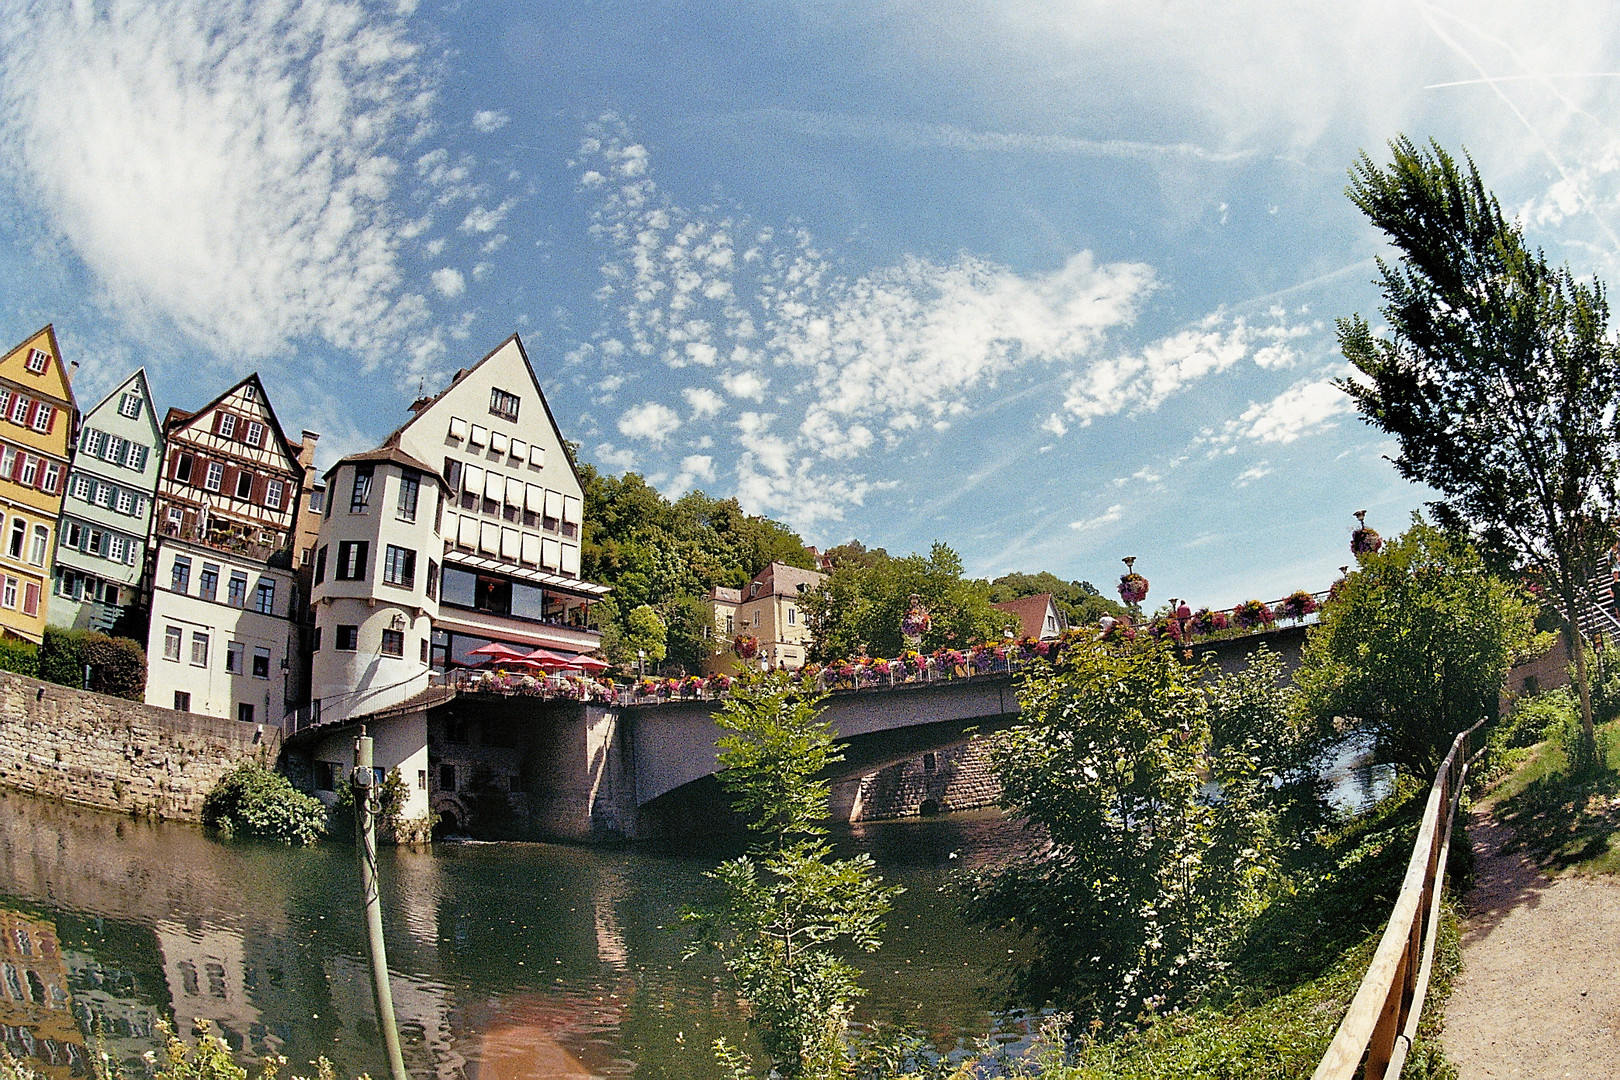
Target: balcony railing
(233, 539)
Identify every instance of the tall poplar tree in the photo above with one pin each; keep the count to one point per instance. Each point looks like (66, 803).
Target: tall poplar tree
(1498, 377)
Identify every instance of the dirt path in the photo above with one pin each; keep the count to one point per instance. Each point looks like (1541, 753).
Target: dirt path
(1539, 994)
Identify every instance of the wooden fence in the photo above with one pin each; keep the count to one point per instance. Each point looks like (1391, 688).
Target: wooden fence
(1382, 1021)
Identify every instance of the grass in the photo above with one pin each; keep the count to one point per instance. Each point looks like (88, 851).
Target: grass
(1567, 822)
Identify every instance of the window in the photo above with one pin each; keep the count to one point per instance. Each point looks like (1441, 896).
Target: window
(80, 487)
(199, 649)
(104, 495)
(43, 417)
(360, 497)
(503, 404)
(74, 535)
(47, 482)
(171, 642)
(5, 400)
(215, 477)
(244, 485)
(118, 548)
(261, 663)
(130, 405)
(37, 361)
(244, 712)
(424, 651)
(126, 501)
(20, 409)
(327, 774)
(255, 433)
(410, 486)
(315, 640)
(236, 591)
(8, 461)
(393, 643)
(182, 701)
(793, 617)
(233, 657)
(29, 471)
(182, 468)
(227, 424)
(42, 541)
(208, 582)
(317, 500)
(399, 566)
(180, 575)
(348, 638)
(136, 458)
(264, 600)
(19, 536)
(272, 494)
(97, 543)
(447, 777)
(433, 580)
(351, 564)
(114, 449)
(320, 565)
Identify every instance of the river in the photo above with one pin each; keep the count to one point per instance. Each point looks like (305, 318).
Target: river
(509, 961)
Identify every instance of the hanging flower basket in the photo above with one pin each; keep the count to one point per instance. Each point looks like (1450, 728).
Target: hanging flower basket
(746, 646)
(1365, 540)
(1206, 621)
(1299, 604)
(1253, 613)
(916, 621)
(1133, 588)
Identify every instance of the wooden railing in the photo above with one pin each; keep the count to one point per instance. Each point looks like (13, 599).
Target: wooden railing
(1382, 1021)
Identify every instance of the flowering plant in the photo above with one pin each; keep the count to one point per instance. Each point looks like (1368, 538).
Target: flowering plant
(719, 681)
(1133, 588)
(948, 658)
(1365, 540)
(1253, 613)
(878, 667)
(1119, 629)
(691, 684)
(1297, 605)
(916, 621)
(646, 688)
(746, 646)
(1206, 621)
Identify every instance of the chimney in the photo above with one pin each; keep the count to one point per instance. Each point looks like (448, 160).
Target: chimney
(306, 449)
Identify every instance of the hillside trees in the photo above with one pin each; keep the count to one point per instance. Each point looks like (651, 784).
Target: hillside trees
(1497, 376)
(860, 605)
(1079, 601)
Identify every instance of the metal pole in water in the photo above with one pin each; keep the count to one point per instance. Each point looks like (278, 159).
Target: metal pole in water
(365, 814)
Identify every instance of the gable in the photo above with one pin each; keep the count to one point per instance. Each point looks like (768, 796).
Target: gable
(108, 412)
(36, 367)
(233, 421)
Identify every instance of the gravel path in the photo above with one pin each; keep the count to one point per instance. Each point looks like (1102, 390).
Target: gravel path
(1539, 994)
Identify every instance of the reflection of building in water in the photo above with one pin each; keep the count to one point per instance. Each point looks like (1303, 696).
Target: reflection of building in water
(205, 970)
(36, 1009)
(421, 1009)
(108, 1006)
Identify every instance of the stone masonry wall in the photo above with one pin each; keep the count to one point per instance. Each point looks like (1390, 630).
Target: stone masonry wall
(960, 779)
(119, 755)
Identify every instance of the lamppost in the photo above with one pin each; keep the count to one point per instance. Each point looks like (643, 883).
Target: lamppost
(641, 663)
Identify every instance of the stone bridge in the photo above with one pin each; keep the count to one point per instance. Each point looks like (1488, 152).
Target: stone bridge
(591, 772)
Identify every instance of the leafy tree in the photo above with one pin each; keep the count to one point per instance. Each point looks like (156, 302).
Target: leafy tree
(645, 633)
(1414, 645)
(690, 626)
(1142, 881)
(789, 909)
(117, 665)
(1497, 376)
(860, 605)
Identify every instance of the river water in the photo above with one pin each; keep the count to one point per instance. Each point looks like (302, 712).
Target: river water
(509, 961)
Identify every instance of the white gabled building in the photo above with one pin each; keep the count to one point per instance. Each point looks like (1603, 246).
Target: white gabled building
(462, 529)
(107, 509)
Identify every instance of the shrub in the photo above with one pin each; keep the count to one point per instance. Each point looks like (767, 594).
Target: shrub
(252, 800)
(340, 818)
(117, 665)
(19, 656)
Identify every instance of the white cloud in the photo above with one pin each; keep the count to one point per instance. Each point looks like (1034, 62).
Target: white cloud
(695, 469)
(481, 219)
(1252, 473)
(703, 401)
(1107, 517)
(249, 143)
(1303, 409)
(489, 120)
(612, 456)
(449, 282)
(1054, 423)
(745, 384)
(650, 421)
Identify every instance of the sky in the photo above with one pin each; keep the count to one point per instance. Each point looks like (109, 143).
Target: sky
(1053, 283)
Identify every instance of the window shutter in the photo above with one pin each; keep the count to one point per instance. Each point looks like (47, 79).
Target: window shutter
(467, 532)
(50, 420)
(570, 560)
(535, 501)
(509, 545)
(550, 553)
(531, 549)
(554, 504)
(571, 508)
(489, 538)
(494, 485)
(514, 492)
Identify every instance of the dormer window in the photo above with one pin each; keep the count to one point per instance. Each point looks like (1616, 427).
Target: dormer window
(753, 590)
(130, 406)
(37, 361)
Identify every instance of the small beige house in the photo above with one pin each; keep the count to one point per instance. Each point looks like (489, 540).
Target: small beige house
(768, 609)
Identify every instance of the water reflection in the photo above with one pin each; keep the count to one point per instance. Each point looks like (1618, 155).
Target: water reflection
(510, 961)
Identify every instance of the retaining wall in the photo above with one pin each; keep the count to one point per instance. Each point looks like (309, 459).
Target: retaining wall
(119, 755)
(956, 778)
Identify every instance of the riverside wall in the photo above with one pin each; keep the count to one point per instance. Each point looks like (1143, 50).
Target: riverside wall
(955, 778)
(119, 755)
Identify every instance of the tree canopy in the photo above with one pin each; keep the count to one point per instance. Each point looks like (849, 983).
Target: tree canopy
(1497, 376)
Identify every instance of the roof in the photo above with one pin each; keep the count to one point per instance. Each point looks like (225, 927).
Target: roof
(780, 579)
(723, 595)
(387, 453)
(1031, 612)
(177, 417)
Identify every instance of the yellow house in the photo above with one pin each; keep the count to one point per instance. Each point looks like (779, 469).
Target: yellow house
(37, 421)
(768, 609)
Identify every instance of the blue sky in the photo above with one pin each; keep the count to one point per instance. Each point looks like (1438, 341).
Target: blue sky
(1052, 282)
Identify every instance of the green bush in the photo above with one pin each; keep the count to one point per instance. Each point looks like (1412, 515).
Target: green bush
(1536, 718)
(340, 816)
(117, 665)
(252, 800)
(19, 656)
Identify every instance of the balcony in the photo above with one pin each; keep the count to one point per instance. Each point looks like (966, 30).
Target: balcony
(239, 540)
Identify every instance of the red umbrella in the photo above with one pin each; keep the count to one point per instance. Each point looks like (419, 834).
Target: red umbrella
(498, 651)
(591, 663)
(550, 660)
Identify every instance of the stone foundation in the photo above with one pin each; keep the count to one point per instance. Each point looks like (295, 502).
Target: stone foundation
(119, 755)
(956, 778)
